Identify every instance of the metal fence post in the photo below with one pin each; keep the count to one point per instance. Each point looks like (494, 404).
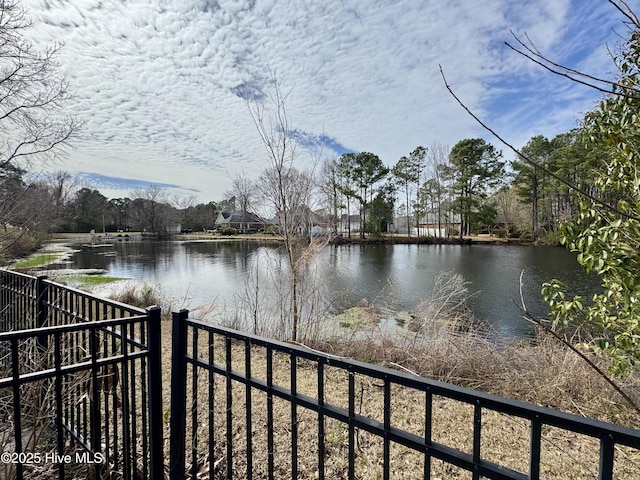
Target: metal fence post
(156, 450)
(4, 301)
(178, 396)
(41, 311)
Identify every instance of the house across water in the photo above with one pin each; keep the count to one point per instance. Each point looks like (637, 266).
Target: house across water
(245, 222)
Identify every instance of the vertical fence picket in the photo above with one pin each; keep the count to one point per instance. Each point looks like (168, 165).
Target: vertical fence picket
(194, 406)
(211, 397)
(126, 416)
(321, 432)
(178, 396)
(605, 467)
(270, 444)
(105, 394)
(534, 448)
(17, 407)
(352, 428)
(249, 409)
(387, 426)
(154, 339)
(294, 417)
(477, 432)
(116, 445)
(428, 422)
(96, 420)
(137, 412)
(229, 408)
(58, 394)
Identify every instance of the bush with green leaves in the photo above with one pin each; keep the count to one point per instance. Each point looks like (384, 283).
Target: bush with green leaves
(606, 233)
(229, 231)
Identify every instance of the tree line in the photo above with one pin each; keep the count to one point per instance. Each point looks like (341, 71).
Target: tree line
(459, 191)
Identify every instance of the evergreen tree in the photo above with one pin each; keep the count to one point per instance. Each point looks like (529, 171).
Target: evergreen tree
(476, 167)
(529, 179)
(368, 170)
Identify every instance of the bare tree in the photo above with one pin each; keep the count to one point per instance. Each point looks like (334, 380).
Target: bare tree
(245, 193)
(288, 191)
(330, 187)
(62, 187)
(152, 207)
(438, 158)
(511, 210)
(33, 125)
(183, 203)
(32, 95)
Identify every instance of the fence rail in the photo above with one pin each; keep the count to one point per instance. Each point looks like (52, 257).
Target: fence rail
(234, 393)
(79, 376)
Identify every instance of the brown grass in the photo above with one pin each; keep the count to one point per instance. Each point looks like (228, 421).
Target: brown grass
(543, 373)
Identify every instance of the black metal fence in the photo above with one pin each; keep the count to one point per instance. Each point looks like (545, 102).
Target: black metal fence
(243, 407)
(80, 383)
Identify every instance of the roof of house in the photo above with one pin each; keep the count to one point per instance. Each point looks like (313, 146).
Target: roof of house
(238, 217)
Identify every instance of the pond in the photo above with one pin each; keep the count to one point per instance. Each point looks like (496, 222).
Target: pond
(397, 277)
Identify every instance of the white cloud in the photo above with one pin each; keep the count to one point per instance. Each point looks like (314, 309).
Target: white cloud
(159, 82)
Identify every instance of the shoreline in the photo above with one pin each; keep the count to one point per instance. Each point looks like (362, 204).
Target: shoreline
(63, 241)
(404, 240)
(390, 239)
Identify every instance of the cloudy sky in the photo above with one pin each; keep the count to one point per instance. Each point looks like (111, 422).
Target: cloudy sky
(162, 85)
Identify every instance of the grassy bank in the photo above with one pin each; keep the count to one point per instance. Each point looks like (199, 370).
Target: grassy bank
(90, 281)
(49, 254)
(39, 260)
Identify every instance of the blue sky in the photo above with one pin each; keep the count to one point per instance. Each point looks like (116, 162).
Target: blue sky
(161, 84)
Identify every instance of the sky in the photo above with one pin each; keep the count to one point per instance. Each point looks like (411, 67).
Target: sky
(163, 86)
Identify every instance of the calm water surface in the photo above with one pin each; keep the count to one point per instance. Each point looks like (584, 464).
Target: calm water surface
(393, 276)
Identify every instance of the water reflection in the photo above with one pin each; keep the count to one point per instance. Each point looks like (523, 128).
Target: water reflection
(394, 276)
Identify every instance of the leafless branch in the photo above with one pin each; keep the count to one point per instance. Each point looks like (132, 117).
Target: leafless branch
(535, 164)
(536, 321)
(530, 52)
(625, 10)
(591, 81)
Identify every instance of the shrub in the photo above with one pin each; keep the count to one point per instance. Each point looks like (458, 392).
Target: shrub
(141, 296)
(16, 243)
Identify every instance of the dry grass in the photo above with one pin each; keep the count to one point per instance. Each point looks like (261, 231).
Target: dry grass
(543, 373)
(141, 296)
